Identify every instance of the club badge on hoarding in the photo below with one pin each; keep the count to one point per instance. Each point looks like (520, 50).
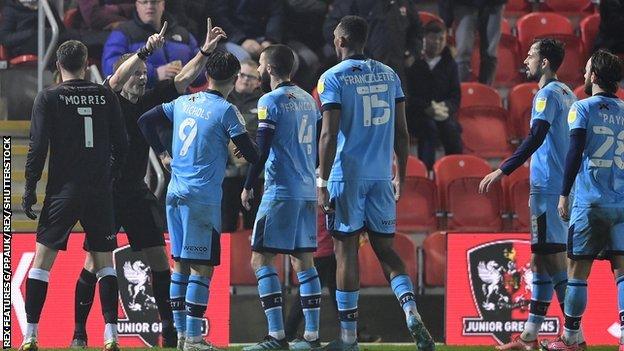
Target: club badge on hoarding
(501, 290)
(137, 298)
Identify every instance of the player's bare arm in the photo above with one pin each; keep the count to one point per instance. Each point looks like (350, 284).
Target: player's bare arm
(191, 70)
(125, 71)
(401, 147)
(327, 153)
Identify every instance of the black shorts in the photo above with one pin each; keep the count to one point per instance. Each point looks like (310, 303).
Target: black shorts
(95, 213)
(137, 211)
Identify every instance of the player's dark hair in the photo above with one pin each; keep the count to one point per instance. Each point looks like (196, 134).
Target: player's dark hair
(608, 70)
(72, 55)
(222, 66)
(355, 29)
(121, 60)
(553, 50)
(281, 58)
(434, 27)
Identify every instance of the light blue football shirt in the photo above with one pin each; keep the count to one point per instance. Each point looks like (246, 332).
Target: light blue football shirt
(289, 171)
(366, 92)
(551, 104)
(203, 124)
(600, 181)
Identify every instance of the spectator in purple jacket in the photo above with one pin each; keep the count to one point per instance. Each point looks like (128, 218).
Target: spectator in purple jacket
(180, 45)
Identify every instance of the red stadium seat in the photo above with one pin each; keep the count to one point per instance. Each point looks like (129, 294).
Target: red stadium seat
(477, 94)
(24, 61)
(467, 210)
(571, 70)
(508, 69)
(3, 53)
(434, 249)
(505, 26)
(417, 207)
(371, 273)
(416, 167)
(538, 24)
(580, 92)
(485, 131)
(426, 17)
(589, 29)
(452, 167)
(517, 8)
(520, 105)
(567, 7)
(240, 260)
(516, 189)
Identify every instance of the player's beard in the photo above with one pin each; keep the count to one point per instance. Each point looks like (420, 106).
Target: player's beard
(588, 88)
(535, 77)
(265, 82)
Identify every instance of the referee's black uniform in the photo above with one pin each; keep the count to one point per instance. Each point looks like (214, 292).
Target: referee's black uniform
(82, 124)
(136, 207)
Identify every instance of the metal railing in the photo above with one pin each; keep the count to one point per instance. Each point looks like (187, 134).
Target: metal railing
(44, 9)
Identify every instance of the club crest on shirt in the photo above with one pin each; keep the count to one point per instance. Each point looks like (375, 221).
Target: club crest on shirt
(572, 115)
(262, 112)
(540, 104)
(320, 87)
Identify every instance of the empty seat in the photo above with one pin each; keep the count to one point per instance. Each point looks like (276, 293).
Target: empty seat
(571, 69)
(516, 190)
(240, 260)
(434, 250)
(538, 24)
(589, 29)
(517, 8)
(568, 7)
(70, 17)
(416, 167)
(426, 17)
(484, 131)
(371, 273)
(417, 206)
(508, 68)
(520, 106)
(452, 167)
(477, 94)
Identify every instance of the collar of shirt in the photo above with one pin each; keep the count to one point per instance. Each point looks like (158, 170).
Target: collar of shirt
(284, 84)
(356, 57)
(605, 94)
(434, 61)
(210, 91)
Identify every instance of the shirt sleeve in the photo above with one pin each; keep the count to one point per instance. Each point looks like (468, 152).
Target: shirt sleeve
(329, 92)
(168, 109)
(577, 116)
(39, 140)
(267, 113)
(233, 122)
(545, 106)
(399, 96)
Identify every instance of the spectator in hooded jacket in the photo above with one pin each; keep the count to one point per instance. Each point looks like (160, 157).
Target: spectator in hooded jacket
(432, 107)
(483, 17)
(180, 45)
(611, 23)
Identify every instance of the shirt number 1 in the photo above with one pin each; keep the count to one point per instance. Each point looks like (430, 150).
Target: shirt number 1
(87, 114)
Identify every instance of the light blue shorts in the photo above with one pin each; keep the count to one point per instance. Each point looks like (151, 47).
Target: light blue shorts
(596, 232)
(362, 205)
(285, 226)
(548, 230)
(194, 231)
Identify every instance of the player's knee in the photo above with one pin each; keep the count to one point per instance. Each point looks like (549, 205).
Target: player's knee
(44, 257)
(302, 262)
(261, 259)
(202, 270)
(157, 258)
(181, 267)
(89, 265)
(580, 269)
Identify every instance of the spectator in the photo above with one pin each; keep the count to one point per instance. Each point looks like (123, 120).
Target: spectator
(18, 28)
(245, 97)
(611, 23)
(394, 29)
(254, 25)
(470, 16)
(166, 63)
(432, 107)
(103, 15)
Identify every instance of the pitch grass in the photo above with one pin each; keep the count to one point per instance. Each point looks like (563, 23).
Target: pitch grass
(371, 347)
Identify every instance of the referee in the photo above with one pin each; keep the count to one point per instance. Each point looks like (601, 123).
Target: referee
(136, 208)
(80, 122)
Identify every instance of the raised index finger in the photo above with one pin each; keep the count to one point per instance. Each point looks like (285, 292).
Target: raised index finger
(164, 29)
(208, 25)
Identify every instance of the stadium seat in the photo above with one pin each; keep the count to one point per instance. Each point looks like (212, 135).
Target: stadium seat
(23, 61)
(467, 210)
(538, 24)
(3, 53)
(517, 8)
(580, 92)
(240, 258)
(516, 191)
(477, 94)
(371, 273)
(520, 101)
(484, 131)
(434, 251)
(505, 26)
(451, 167)
(589, 29)
(508, 69)
(426, 17)
(417, 206)
(571, 70)
(416, 167)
